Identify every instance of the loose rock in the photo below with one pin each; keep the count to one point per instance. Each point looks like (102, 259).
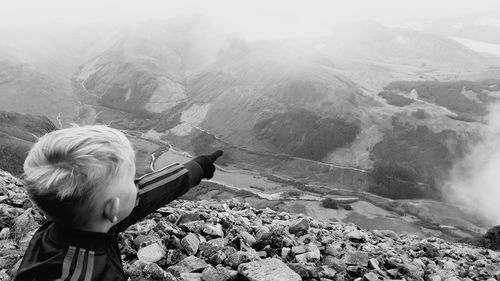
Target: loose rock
(190, 243)
(151, 253)
(268, 270)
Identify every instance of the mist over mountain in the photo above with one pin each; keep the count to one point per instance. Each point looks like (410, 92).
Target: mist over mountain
(18, 132)
(369, 108)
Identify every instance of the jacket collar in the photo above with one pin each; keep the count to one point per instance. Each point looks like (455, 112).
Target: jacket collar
(96, 241)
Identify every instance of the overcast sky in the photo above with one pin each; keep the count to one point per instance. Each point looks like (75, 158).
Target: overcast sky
(251, 18)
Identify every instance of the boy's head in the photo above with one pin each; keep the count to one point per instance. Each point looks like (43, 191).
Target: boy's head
(80, 176)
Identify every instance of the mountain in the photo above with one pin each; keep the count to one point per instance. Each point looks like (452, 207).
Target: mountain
(24, 89)
(37, 66)
(369, 108)
(355, 99)
(18, 132)
(229, 240)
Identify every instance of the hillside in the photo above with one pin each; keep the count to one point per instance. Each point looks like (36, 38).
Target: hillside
(26, 90)
(229, 240)
(275, 105)
(18, 132)
(368, 108)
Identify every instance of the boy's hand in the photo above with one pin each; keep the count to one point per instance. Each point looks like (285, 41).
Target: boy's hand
(207, 163)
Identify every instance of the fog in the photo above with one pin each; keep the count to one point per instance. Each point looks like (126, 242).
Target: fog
(475, 180)
(251, 19)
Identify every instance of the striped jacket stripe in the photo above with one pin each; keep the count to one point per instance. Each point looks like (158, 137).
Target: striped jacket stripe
(152, 186)
(90, 266)
(159, 177)
(79, 265)
(165, 170)
(68, 259)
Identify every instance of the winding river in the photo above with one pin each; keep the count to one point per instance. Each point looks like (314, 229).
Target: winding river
(235, 179)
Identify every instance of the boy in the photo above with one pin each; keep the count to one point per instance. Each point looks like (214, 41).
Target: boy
(82, 178)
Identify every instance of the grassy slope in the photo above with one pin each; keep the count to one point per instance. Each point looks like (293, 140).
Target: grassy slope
(25, 90)
(18, 132)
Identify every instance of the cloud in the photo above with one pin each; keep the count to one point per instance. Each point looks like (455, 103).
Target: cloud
(487, 21)
(257, 16)
(475, 181)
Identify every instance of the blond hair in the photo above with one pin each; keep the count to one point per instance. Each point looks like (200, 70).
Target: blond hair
(66, 169)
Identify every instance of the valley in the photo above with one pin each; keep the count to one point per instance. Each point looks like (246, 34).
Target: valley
(379, 120)
(283, 194)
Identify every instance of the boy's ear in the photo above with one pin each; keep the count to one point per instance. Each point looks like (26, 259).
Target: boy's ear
(111, 209)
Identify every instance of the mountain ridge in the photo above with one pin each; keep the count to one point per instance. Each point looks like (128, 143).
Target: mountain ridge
(370, 88)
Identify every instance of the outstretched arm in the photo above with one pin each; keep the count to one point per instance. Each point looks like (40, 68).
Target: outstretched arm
(163, 186)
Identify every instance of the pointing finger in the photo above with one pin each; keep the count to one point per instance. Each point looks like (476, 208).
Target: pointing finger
(215, 155)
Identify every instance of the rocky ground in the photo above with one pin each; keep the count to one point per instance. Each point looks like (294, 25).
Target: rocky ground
(229, 240)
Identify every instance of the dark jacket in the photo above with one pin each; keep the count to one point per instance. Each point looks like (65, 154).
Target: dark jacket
(56, 253)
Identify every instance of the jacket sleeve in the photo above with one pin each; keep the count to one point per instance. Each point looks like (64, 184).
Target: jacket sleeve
(161, 187)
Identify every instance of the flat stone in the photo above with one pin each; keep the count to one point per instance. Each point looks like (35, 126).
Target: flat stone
(216, 274)
(191, 276)
(193, 226)
(357, 236)
(304, 248)
(449, 265)
(371, 276)
(356, 258)
(309, 256)
(151, 253)
(188, 217)
(268, 270)
(213, 230)
(433, 277)
(188, 265)
(190, 243)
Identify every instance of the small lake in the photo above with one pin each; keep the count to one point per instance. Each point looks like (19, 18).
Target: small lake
(237, 179)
